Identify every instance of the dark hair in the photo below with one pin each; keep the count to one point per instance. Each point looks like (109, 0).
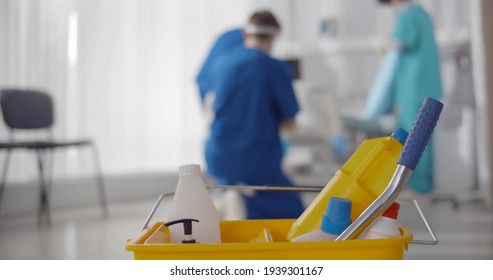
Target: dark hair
(384, 1)
(263, 18)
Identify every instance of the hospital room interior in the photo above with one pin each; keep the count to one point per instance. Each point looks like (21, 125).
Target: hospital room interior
(119, 113)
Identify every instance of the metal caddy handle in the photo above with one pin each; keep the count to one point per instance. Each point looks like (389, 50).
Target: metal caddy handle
(434, 240)
(294, 189)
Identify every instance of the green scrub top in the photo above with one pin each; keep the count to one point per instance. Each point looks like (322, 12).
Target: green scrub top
(417, 76)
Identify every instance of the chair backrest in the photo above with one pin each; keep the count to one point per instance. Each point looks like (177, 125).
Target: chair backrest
(26, 109)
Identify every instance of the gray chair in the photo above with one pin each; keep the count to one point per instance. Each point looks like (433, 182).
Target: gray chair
(33, 110)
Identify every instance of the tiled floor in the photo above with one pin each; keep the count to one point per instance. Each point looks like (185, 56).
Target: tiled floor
(82, 233)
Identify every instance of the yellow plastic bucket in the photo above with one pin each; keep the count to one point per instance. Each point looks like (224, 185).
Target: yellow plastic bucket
(236, 236)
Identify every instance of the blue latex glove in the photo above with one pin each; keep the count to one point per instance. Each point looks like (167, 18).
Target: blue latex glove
(285, 144)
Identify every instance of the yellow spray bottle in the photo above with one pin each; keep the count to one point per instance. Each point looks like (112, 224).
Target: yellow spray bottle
(361, 179)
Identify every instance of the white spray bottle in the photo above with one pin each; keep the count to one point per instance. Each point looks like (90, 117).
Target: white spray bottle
(192, 201)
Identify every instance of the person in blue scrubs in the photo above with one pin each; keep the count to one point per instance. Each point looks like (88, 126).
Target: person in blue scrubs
(417, 76)
(228, 41)
(254, 100)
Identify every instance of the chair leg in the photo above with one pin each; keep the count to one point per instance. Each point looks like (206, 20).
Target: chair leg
(49, 159)
(100, 180)
(3, 180)
(44, 203)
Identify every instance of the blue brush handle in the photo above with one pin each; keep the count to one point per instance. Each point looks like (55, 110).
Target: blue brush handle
(420, 132)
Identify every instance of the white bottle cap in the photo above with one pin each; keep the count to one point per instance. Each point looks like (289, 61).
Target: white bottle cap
(189, 169)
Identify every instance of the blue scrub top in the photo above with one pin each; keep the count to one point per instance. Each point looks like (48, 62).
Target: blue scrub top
(225, 43)
(254, 94)
(417, 77)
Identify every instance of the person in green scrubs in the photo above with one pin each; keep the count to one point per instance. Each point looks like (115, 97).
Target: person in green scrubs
(417, 76)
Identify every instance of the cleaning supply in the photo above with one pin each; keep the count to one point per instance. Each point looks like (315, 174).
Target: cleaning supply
(361, 179)
(336, 219)
(187, 229)
(408, 160)
(385, 226)
(192, 201)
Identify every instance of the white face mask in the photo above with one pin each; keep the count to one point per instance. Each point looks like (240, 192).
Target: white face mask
(254, 29)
